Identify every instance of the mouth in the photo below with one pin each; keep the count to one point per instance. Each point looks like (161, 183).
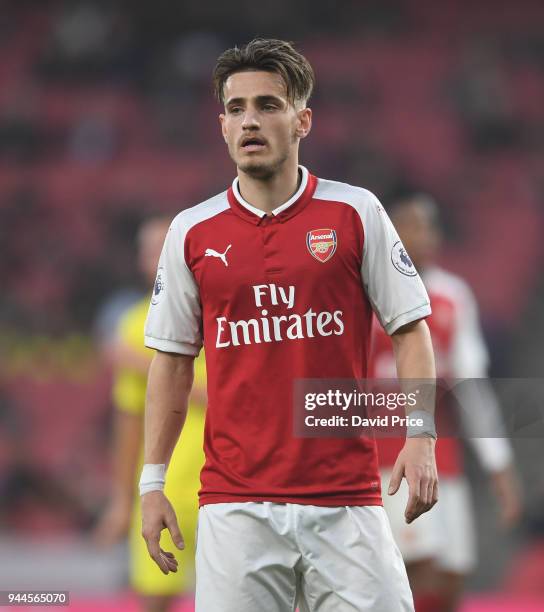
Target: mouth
(253, 143)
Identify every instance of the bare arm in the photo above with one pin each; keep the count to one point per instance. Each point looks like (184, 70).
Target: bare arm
(416, 462)
(168, 388)
(414, 351)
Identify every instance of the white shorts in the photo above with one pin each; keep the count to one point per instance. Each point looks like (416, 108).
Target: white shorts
(269, 557)
(445, 533)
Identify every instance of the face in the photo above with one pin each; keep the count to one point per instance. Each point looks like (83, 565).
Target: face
(418, 232)
(261, 127)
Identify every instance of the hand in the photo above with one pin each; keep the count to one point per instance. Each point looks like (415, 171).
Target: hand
(158, 514)
(507, 491)
(114, 523)
(416, 462)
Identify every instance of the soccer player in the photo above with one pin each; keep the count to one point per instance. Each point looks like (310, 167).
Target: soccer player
(439, 549)
(131, 363)
(278, 277)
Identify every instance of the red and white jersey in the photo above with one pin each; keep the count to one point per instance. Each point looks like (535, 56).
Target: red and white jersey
(460, 352)
(273, 299)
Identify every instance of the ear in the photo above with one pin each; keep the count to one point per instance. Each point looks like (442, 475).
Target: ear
(223, 128)
(304, 122)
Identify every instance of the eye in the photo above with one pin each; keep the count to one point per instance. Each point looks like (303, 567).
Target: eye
(270, 107)
(235, 110)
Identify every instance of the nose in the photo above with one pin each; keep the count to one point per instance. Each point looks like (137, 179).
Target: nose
(250, 120)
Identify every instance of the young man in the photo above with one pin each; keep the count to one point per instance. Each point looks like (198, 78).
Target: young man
(278, 277)
(439, 550)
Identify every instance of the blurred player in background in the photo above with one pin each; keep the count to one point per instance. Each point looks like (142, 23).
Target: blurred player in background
(131, 362)
(439, 548)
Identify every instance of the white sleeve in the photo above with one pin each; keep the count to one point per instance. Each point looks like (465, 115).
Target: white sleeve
(390, 279)
(174, 320)
(469, 358)
(480, 412)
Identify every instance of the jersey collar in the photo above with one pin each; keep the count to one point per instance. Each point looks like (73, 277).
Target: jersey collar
(293, 205)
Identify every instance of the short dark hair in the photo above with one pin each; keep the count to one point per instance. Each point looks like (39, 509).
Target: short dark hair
(269, 55)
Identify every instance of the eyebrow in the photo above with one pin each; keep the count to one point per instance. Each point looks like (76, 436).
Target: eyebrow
(260, 100)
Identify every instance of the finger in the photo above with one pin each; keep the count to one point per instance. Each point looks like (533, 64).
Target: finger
(173, 528)
(154, 550)
(170, 561)
(430, 493)
(171, 568)
(435, 491)
(419, 509)
(412, 514)
(428, 499)
(169, 558)
(426, 487)
(414, 500)
(396, 478)
(167, 553)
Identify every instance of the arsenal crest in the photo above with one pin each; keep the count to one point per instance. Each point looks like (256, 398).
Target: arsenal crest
(321, 243)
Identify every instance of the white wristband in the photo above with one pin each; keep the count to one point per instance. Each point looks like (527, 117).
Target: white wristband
(152, 478)
(427, 428)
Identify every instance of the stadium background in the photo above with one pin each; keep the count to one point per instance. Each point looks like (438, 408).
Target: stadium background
(106, 116)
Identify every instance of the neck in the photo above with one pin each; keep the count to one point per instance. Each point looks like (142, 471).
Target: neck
(266, 194)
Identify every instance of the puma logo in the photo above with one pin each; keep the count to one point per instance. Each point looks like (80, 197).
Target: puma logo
(222, 256)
